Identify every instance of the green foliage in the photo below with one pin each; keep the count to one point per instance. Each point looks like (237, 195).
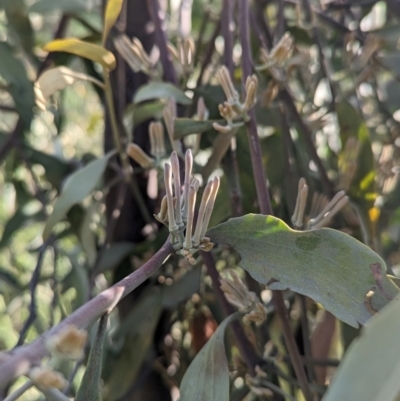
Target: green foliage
(330, 267)
(89, 390)
(77, 186)
(208, 375)
(156, 90)
(358, 377)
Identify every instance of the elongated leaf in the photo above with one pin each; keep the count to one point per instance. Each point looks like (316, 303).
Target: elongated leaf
(207, 378)
(20, 218)
(157, 90)
(136, 334)
(186, 126)
(83, 49)
(136, 114)
(56, 79)
(89, 390)
(18, 84)
(114, 255)
(66, 6)
(371, 367)
(77, 186)
(327, 265)
(112, 12)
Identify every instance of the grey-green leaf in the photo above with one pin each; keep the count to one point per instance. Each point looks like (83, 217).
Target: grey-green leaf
(77, 186)
(18, 84)
(187, 126)
(371, 367)
(157, 90)
(326, 265)
(89, 390)
(66, 6)
(207, 378)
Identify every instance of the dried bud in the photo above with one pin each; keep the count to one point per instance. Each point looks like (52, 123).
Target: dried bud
(68, 343)
(257, 315)
(133, 53)
(139, 156)
(282, 50)
(186, 51)
(202, 112)
(169, 114)
(47, 378)
(156, 132)
(225, 81)
(237, 294)
(334, 206)
(298, 215)
(251, 92)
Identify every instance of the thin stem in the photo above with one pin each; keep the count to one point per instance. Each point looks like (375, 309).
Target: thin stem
(19, 391)
(32, 286)
(169, 73)
(22, 358)
(127, 168)
(263, 197)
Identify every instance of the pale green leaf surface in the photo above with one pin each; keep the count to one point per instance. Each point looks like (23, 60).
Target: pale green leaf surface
(111, 14)
(187, 126)
(66, 6)
(158, 90)
(89, 390)
(12, 71)
(326, 265)
(77, 186)
(114, 255)
(207, 378)
(371, 367)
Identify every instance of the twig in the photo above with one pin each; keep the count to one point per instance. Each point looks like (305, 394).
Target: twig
(32, 287)
(161, 40)
(263, 198)
(20, 360)
(208, 53)
(19, 391)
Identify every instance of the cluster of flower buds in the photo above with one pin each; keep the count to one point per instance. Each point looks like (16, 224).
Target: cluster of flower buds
(157, 147)
(133, 53)
(321, 208)
(177, 208)
(232, 108)
(184, 53)
(237, 294)
(279, 54)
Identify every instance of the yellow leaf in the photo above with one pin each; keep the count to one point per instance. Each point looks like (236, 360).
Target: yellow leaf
(83, 49)
(111, 14)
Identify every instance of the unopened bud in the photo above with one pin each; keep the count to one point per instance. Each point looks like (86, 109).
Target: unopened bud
(251, 91)
(47, 378)
(156, 132)
(225, 81)
(136, 153)
(68, 343)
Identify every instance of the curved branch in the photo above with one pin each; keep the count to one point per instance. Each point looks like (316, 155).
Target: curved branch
(19, 361)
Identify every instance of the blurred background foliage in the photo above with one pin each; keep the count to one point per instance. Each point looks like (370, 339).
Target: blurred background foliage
(335, 102)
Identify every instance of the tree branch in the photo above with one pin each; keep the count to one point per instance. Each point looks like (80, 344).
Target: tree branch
(18, 361)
